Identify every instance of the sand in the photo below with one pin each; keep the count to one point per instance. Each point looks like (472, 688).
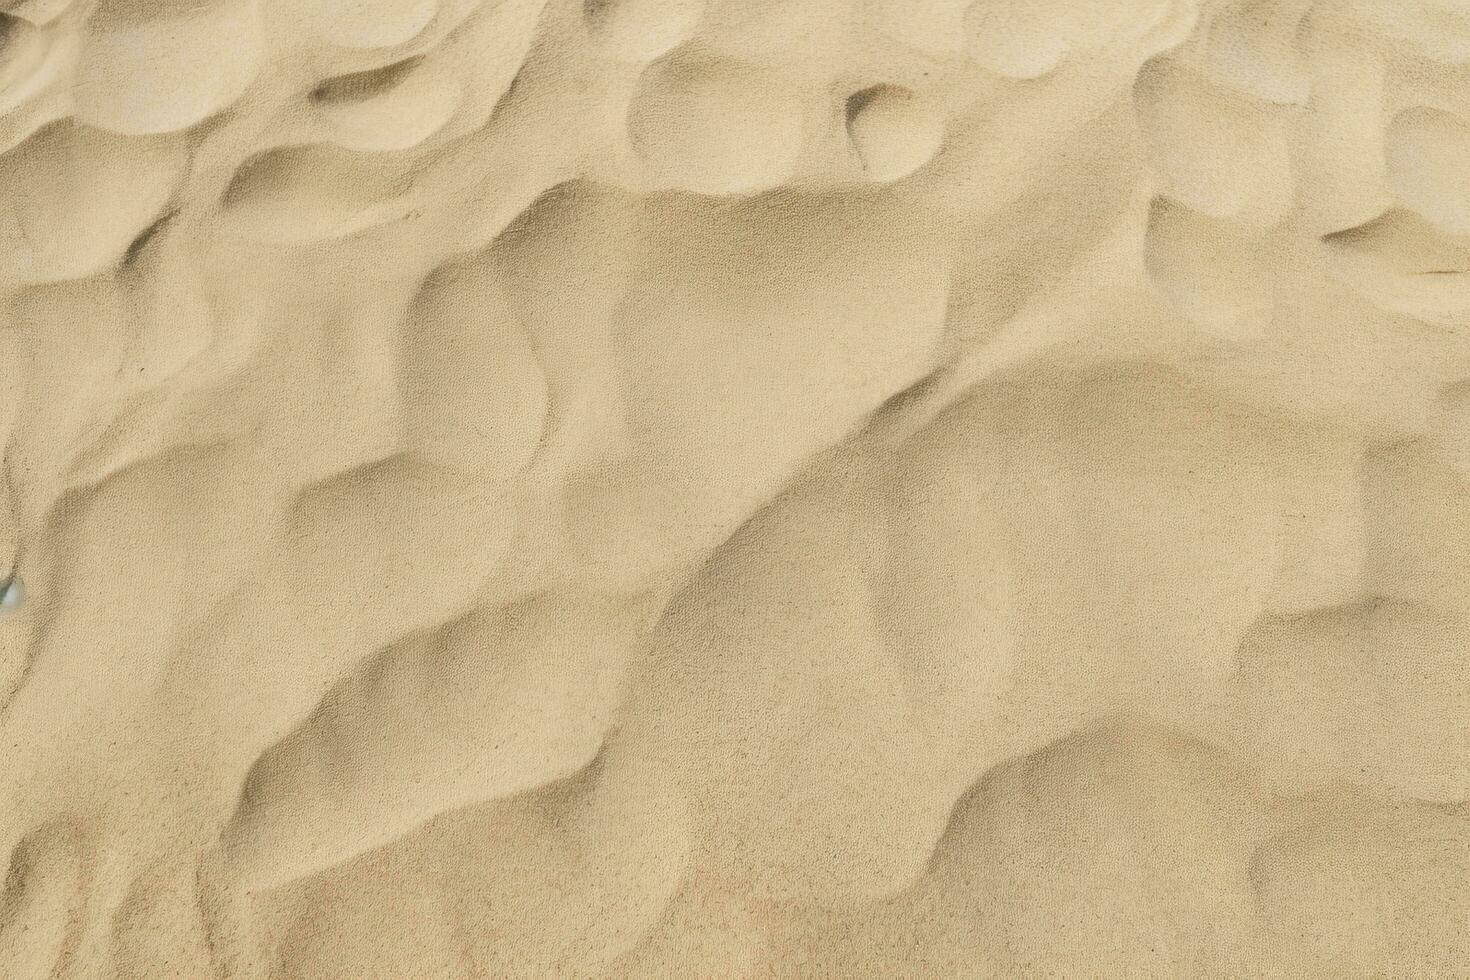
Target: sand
(718, 488)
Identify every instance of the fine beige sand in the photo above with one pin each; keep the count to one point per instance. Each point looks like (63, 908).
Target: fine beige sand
(724, 488)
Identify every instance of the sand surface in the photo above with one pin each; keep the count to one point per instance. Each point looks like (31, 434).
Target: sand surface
(719, 488)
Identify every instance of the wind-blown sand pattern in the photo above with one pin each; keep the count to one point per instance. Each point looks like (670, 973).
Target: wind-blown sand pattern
(543, 488)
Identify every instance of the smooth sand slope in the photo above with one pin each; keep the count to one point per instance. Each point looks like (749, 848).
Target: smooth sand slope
(717, 488)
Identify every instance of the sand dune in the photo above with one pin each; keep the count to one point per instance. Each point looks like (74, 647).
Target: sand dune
(539, 488)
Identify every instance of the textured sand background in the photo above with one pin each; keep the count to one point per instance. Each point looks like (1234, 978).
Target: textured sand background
(734, 487)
